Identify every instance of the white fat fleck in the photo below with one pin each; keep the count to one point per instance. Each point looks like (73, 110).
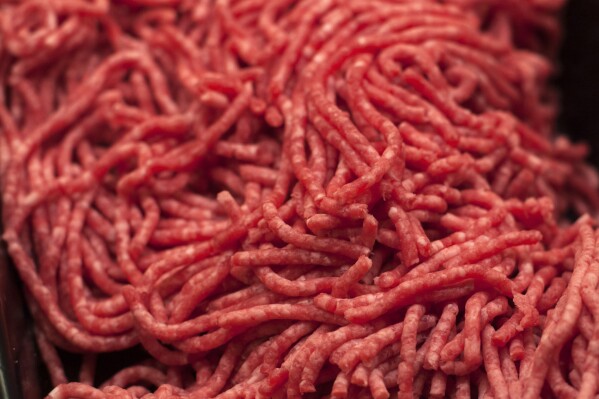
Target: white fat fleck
(31, 199)
(51, 41)
(359, 63)
(408, 185)
(189, 251)
(318, 58)
(327, 28)
(436, 246)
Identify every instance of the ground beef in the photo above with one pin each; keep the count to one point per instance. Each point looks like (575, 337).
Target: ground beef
(278, 198)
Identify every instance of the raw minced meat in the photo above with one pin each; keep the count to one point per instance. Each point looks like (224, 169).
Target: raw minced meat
(340, 198)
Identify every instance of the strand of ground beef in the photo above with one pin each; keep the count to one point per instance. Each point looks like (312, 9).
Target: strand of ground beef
(318, 198)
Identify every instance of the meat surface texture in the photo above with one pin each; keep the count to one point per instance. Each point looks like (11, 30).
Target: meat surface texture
(285, 199)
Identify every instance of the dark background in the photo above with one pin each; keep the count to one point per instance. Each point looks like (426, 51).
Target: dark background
(579, 74)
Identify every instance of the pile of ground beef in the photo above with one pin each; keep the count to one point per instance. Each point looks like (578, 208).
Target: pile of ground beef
(311, 198)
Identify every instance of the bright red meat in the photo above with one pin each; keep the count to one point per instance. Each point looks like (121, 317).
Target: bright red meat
(278, 198)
